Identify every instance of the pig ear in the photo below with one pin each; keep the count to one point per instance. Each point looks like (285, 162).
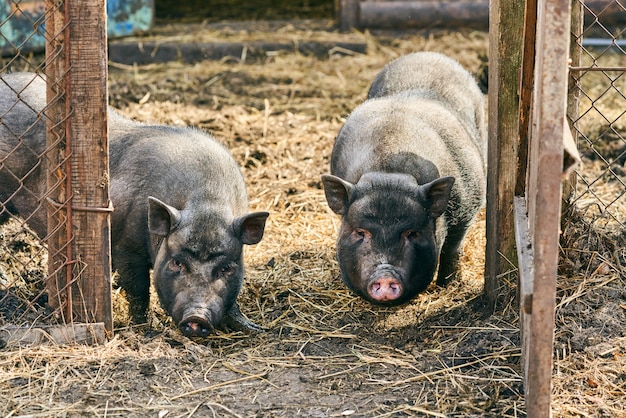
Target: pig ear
(162, 218)
(250, 228)
(436, 195)
(337, 192)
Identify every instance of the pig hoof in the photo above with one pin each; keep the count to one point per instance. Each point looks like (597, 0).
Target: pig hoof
(385, 289)
(195, 327)
(237, 321)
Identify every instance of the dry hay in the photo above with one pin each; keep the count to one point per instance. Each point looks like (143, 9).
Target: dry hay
(590, 345)
(327, 353)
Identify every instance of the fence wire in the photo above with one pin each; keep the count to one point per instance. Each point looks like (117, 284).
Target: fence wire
(599, 122)
(599, 83)
(26, 185)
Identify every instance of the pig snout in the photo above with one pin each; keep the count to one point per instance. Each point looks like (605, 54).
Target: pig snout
(198, 320)
(195, 326)
(385, 285)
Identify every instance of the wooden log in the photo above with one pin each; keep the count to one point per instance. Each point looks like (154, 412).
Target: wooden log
(402, 14)
(79, 215)
(424, 14)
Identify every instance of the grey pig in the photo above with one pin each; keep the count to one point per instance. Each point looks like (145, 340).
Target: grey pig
(408, 176)
(193, 242)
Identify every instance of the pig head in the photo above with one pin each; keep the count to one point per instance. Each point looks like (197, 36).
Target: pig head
(198, 271)
(387, 244)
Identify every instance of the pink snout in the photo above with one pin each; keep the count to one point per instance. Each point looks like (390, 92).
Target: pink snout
(385, 288)
(195, 327)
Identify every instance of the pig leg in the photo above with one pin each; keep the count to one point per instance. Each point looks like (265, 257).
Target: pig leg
(237, 321)
(135, 280)
(450, 256)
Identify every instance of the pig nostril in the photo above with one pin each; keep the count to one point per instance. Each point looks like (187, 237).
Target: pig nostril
(195, 327)
(385, 289)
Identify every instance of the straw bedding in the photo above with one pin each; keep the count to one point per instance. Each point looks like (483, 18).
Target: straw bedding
(326, 352)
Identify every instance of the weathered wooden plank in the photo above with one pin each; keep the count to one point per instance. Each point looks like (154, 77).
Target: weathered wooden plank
(13, 336)
(526, 93)
(424, 14)
(79, 244)
(544, 194)
(522, 229)
(56, 155)
(88, 96)
(523, 240)
(526, 263)
(505, 48)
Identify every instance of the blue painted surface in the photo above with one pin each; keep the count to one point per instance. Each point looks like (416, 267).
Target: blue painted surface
(22, 25)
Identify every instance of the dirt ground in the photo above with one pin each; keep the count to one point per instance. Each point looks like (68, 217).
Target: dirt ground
(326, 353)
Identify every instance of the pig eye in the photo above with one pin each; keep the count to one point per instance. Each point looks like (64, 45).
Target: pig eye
(413, 235)
(175, 266)
(359, 234)
(227, 270)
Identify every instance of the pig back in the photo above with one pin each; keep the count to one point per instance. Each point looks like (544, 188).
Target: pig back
(408, 133)
(22, 143)
(22, 131)
(183, 167)
(434, 76)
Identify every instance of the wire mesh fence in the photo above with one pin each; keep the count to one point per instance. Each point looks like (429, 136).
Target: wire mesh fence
(42, 264)
(599, 120)
(23, 192)
(599, 117)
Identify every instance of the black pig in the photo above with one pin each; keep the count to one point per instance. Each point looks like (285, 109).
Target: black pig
(408, 177)
(193, 242)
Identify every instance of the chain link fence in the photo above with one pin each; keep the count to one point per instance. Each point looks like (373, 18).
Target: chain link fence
(598, 113)
(23, 194)
(47, 274)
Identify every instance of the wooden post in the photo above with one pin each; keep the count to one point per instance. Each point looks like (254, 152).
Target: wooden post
(573, 100)
(543, 199)
(77, 160)
(522, 238)
(55, 158)
(526, 92)
(348, 14)
(505, 46)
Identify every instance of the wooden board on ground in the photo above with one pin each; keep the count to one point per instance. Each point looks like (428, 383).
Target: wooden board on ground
(12, 336)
